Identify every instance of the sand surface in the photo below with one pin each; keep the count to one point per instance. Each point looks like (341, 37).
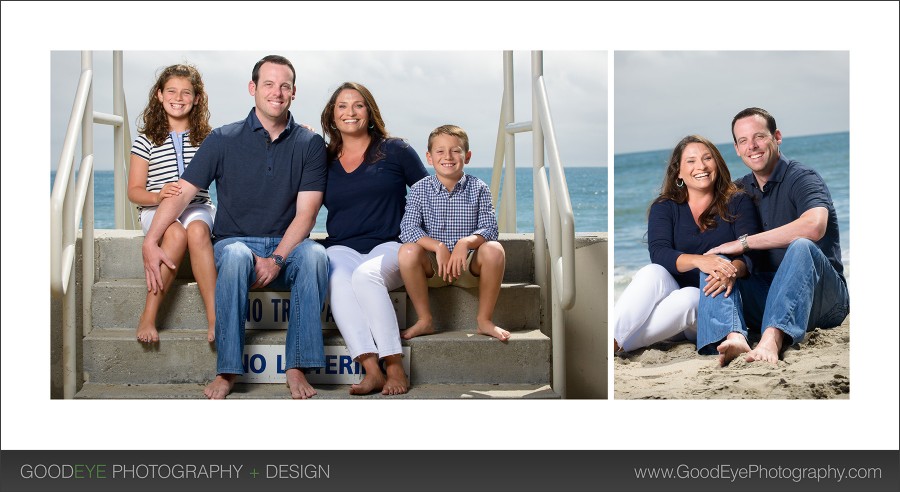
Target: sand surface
(818, 368)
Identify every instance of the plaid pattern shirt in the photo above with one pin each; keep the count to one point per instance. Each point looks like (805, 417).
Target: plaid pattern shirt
(435, 212)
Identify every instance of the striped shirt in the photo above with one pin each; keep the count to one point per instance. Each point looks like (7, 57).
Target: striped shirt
(163, 163)
(435, 212)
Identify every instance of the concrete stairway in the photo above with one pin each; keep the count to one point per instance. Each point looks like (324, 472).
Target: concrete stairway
(455, 362)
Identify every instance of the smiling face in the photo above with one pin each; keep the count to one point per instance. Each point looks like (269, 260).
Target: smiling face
(448, 157)
(351, 116)
(756, 145)
(698, 168)
(177, 98)
(274, 91)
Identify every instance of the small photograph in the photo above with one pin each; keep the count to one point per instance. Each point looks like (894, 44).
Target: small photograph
(731, 225)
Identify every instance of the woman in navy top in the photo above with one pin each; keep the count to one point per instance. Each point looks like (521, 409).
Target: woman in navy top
(368, 174)
(698, 208)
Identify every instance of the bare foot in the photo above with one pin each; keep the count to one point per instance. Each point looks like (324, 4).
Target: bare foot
(734, 345)
(487, 327)
(211, 332)
(371, 383)
(300, 387)
(768, 347)
(422, 327)
(146, 332)
(220, 387)
(397, 382)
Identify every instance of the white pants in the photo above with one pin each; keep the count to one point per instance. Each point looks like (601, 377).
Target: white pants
(654, 308)
(358, 285)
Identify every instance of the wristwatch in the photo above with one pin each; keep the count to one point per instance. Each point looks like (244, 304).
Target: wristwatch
(744, 244)
(279, 260)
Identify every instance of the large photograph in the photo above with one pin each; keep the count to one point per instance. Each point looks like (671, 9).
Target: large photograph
(411, 174)
(732, 253)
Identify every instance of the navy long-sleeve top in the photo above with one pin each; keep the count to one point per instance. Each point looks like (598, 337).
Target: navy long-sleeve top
(365, 207)
(672, 232)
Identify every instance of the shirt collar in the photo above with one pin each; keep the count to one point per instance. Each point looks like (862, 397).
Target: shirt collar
(256, 125)
(460, 185)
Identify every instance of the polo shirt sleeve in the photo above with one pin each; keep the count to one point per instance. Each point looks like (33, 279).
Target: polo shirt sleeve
(315, 171)
(808, 191)
(661, 236)
(746, 222)
(205, 164)
(487, 221)
(411, 225)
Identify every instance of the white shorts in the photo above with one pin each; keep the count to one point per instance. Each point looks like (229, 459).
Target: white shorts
(194, 211)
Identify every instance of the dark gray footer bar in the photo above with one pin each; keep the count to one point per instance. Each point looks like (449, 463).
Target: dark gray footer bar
(470, 471)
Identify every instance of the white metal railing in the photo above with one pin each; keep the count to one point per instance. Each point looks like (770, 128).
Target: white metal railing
(70, 202)
(552, 204)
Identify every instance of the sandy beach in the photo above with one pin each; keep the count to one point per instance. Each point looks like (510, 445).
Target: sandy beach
(818, 368)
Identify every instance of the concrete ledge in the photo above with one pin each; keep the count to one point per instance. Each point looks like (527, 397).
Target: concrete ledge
(118, 303)
(118, 255)
(184, 356)
(93, 391)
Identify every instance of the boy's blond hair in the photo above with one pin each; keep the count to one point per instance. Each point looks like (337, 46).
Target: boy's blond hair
(453, 131)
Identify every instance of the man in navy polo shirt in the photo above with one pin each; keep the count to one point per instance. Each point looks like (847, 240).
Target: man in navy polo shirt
(270, 179)
(798, 279)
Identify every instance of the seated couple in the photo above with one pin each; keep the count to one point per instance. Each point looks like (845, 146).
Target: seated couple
(761, 254)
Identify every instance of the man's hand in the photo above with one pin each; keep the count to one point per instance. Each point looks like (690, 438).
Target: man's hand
(729, 248)
(266, 271)
(153, 257)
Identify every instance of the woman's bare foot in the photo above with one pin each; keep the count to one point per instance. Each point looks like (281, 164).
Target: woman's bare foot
(734, 345)
(372, 382)
(768, 348)
(299, 386)
(422, 327)
(397, 383)
(146, 332)
(220, 387)
(487, 327)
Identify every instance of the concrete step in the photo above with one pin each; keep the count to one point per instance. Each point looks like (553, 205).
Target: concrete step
(327, 392)
(118, 255)
(119, 303)
(113, 356)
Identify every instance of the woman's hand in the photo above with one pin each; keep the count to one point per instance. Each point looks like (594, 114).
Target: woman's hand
(716, 266)
(715, 286)
(168, 190)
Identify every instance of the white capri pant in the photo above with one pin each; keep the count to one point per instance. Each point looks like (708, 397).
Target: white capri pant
(194, 211)
(654, 308)
(358, 286)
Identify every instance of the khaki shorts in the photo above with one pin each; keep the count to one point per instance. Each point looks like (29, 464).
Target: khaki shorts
(466, 280)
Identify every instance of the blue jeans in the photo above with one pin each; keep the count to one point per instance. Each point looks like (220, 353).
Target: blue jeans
(305, 274)
(718, 316)
(804, 293)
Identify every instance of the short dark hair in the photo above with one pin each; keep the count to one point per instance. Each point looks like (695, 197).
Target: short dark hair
(276, 59)
(770, 120)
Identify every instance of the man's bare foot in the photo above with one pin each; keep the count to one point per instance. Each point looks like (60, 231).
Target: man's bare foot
(397, 383)
(146, 332)
(768, 348)
(487, 327)
(300, 387)
(211, 332)
(422, 327)
(220, 387)
(734, 345)
(372, 382)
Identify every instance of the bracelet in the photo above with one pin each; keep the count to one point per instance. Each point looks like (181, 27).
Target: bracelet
(744, 244)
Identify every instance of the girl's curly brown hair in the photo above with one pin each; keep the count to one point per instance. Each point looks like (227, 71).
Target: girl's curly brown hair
(153, 122)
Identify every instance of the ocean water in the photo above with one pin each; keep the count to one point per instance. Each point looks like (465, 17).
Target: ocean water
(638, 177)
(587, 190)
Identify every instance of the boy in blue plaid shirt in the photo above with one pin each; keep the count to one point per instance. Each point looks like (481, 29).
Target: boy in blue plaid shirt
(450, 235)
